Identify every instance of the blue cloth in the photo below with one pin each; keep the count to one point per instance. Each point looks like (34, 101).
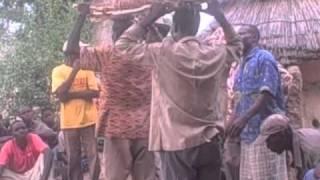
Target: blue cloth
(258, 73)
(310, 175)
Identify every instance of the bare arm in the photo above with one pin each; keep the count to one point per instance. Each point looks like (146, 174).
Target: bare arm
(74, 37)
(87, 95)
(234, 45)
(237, 125)
(131, 42)
(215, 10)
(48, 157)
(63, 90)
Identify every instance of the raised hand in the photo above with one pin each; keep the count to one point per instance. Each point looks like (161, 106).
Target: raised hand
(157, 10)
(84, 8)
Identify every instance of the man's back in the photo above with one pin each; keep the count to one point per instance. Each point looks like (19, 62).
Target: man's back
(187, 78)
(185, 84)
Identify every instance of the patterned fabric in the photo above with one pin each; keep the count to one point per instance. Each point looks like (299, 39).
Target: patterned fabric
(259, 163)
(258, 72)
(186, 81)
(126, 93)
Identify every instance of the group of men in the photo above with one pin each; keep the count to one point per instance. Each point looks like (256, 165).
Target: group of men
(159, 111)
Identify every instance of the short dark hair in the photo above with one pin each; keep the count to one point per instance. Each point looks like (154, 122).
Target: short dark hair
(12, 123)
(185, 16)
(46, 108)
(254, 30)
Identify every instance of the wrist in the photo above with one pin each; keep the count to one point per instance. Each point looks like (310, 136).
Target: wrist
(74, 71)
(82, 16)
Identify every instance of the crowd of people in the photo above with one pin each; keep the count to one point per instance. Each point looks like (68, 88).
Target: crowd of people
(159, 110)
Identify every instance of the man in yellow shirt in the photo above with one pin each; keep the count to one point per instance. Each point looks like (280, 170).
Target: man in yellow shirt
(76, 90)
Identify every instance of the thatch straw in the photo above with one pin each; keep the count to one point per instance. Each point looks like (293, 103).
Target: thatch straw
(290, 28)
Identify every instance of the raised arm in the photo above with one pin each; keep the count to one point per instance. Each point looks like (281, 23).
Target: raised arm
(233, 42)
(61, 90)
(132, 41)
(74, 37)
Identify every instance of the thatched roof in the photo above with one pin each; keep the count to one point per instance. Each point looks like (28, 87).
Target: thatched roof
(290, 28)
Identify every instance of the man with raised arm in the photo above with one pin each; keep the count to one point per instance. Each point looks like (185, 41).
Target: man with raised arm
(185, 83)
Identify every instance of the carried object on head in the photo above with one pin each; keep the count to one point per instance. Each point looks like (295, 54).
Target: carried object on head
(103, 9)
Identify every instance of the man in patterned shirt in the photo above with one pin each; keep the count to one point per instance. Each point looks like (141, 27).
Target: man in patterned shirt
(257, 95)
(125, 101)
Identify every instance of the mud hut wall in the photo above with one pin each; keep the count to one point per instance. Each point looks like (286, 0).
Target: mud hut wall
(311, 92)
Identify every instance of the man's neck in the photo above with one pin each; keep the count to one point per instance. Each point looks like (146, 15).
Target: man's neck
(29, 123)
(249, 49)
(22, 143)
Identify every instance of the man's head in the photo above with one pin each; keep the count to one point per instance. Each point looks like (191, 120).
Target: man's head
(186, 20)
(250, 36)
(19, 129)
(26, 114)
(276, 132)
(47, 116)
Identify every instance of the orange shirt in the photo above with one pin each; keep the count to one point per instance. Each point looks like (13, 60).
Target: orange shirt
(18, 160)
(76, 113)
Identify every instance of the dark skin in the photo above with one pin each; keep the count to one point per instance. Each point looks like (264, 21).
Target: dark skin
(27, 115)
(283, 141)
(159, 9)
(73, 52)
(47, 117)
(280, 142)
(19, 132)
(236, 125)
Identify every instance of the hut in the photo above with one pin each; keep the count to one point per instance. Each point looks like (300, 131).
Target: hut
(290, 29)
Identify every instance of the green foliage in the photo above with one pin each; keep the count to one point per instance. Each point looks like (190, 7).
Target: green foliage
(34, 50)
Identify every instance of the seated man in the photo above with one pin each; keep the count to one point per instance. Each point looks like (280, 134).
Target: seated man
(304, 144)
(313, 174)
(48, 117)
(25, 157)
(48, 135)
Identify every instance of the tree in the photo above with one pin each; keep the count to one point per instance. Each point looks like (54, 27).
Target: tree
(31, 52)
